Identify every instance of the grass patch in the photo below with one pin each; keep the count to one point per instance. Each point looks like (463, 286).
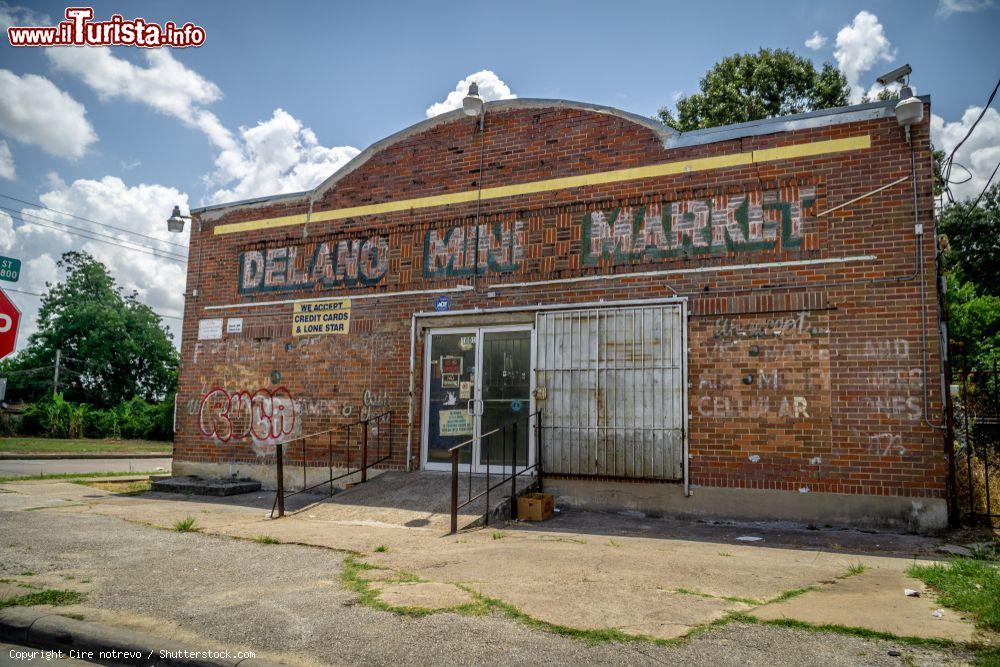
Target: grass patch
(76, 475)
(121, 488)
(965, 584)
(353, 578)
(750, 601)
(381, 549)
(794, 593)
(612, 543)
(857, 632)
(186, 525)
(498, 534)
(853, 570)
(19, 445)
(265, 539)
(54, 597)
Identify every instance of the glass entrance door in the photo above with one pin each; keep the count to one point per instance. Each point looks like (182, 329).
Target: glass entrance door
(505, 391)
(478, 380)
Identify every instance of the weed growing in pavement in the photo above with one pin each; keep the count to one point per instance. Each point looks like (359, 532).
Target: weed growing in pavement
(266, 539)
(54, 597)
(187, 525)
(381, 549)
(965, 584)
(498, 535)
(853, 570)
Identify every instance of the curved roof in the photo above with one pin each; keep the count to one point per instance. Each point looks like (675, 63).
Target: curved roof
(664, 133)
(669, 137)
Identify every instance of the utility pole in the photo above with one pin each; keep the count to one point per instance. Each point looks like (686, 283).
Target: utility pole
(55, 376)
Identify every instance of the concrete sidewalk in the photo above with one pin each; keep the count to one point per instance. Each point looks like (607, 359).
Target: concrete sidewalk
(585, 572)
(32, 467)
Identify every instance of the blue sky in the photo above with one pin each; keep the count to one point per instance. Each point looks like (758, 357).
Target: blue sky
(120, 136)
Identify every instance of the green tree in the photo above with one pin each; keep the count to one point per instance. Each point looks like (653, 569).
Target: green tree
(973, 246)
(971, 261)
(113, 346)
(752, 86)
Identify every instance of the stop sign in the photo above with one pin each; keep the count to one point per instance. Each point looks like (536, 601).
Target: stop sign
(10, 319)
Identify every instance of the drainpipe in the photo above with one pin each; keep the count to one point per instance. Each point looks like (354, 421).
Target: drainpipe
(409, 412)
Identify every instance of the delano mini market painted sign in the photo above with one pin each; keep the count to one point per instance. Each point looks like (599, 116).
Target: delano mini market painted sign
(321, 318)
(757, 220)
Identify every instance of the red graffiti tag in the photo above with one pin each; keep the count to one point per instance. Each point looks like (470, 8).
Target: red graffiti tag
(266, 414)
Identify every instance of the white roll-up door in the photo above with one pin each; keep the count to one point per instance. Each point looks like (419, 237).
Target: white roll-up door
(614, 391)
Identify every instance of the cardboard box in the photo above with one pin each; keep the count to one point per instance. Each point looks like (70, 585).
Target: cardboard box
(534, 506)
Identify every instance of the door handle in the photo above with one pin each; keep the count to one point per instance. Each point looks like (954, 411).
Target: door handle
(469, 407)
(482, 406)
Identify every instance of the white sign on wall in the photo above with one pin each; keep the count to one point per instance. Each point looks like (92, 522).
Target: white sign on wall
(210, 329)
(234, 325)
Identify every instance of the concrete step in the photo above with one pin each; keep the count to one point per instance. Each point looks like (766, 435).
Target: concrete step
(205, 487)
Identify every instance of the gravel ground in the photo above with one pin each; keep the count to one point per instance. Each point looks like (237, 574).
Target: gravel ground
(286, 601)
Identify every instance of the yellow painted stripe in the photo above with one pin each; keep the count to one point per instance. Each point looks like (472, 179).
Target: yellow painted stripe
(599, 178)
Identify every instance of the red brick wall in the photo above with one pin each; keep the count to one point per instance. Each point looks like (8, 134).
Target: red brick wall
(801, 378)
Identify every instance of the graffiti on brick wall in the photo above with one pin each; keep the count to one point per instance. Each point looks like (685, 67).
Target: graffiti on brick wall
(265, 416)
(372, 403)
(774, 366)
(453, 252)
(726, 223)
(893, 384)
(327, 263)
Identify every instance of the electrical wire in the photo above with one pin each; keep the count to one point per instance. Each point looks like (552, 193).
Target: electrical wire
(146, 251)
(951, 157)
(21, 291)
(95, 222)
(165, 253)
(985, 187)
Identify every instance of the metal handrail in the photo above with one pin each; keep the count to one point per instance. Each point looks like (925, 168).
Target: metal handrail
(504, 478)
(280, 495)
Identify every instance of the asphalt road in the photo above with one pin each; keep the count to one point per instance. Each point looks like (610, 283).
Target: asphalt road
(286, 602)
(33, 467)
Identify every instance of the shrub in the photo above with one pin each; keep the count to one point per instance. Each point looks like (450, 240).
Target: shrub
(55, 417)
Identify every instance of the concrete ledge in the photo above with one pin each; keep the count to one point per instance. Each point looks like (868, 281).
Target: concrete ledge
(267, 475)
(205, 487)
(45, 630)
(889, 513)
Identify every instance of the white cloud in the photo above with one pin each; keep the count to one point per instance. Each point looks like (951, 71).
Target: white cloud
(490, 88)
(979, 154)
(6, 162)
(34, 111)
(817, 41)
(165, 85)
(141, 208)
(275, 156)
(948, 7)
(860, 46)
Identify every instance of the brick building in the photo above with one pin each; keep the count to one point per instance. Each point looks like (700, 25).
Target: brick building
(736, 322)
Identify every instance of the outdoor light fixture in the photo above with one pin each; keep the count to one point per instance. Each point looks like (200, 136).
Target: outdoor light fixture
(473, 103)
(909, 109)
(175, 223)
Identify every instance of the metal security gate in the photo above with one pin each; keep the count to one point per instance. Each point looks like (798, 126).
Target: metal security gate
(613, 383)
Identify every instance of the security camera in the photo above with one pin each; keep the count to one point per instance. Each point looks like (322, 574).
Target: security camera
(895, 75)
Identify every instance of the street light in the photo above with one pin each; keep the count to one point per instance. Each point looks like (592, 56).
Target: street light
(175, 223)
(472, 104)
